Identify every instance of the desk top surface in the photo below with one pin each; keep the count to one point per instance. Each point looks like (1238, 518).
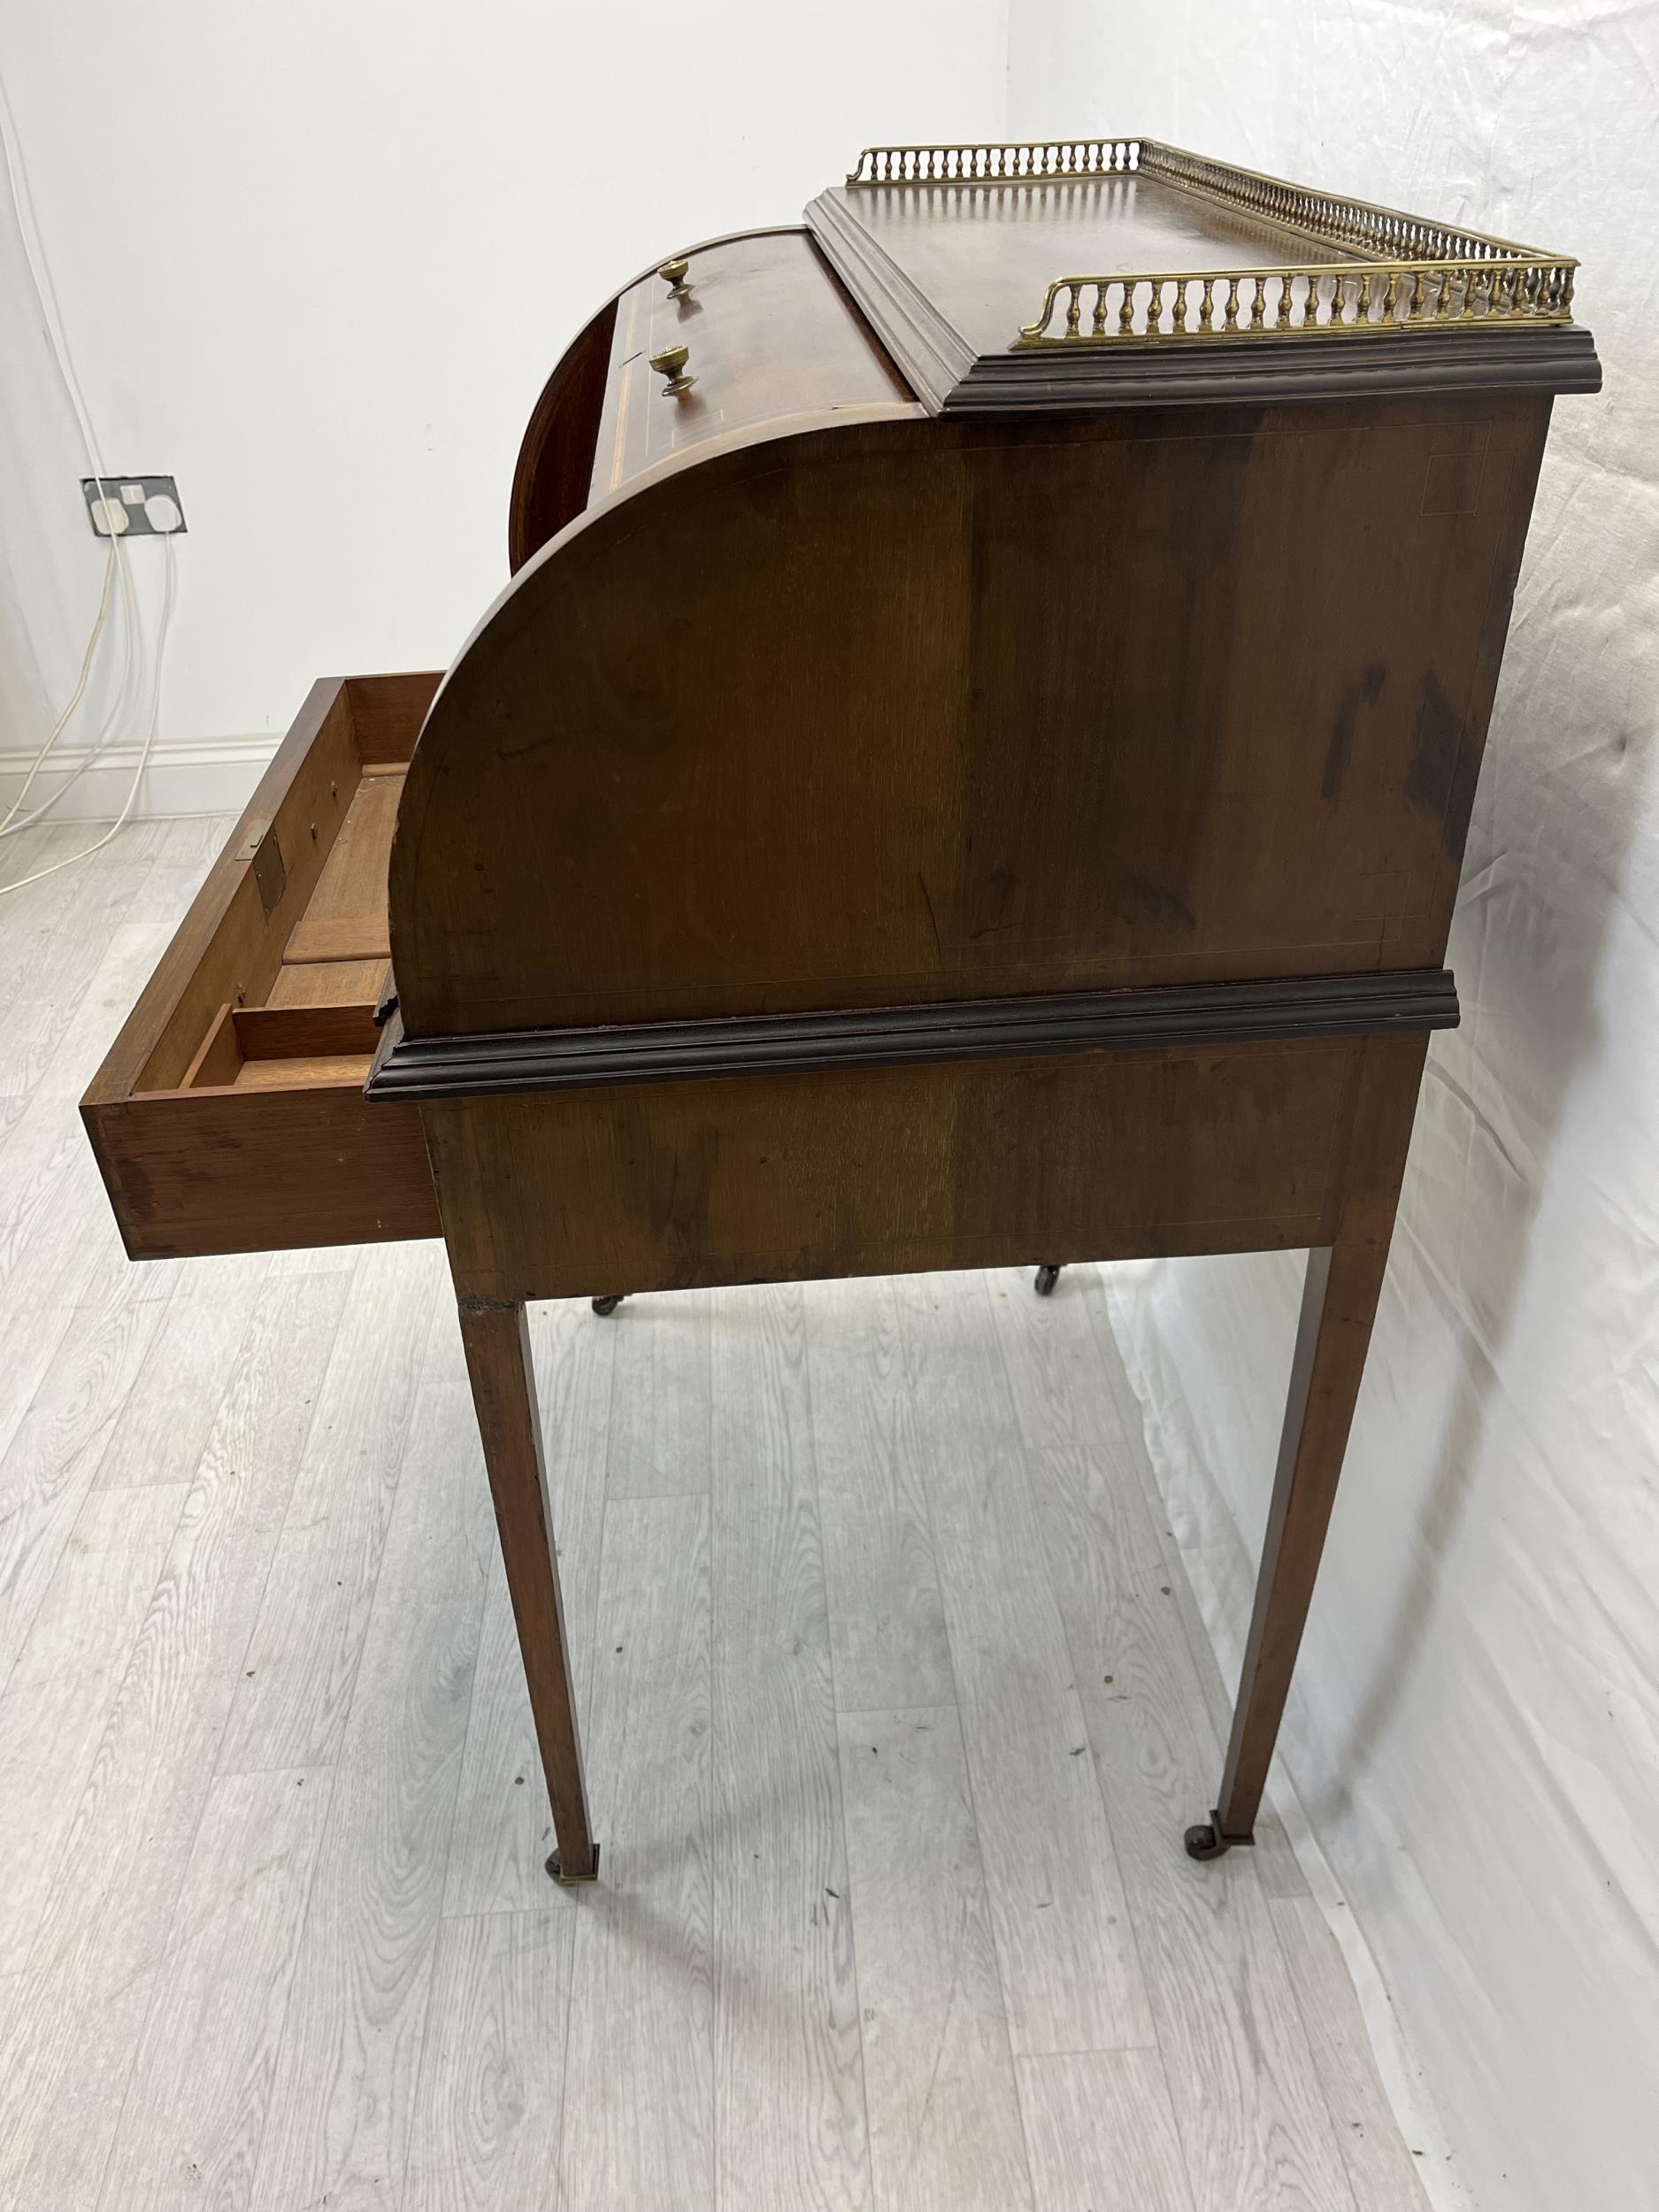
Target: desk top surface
(1107, 270)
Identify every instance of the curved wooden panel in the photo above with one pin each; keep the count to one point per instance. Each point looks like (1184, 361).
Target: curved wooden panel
(771, 335)
(555, 460)
(551, 479)
(925, 710)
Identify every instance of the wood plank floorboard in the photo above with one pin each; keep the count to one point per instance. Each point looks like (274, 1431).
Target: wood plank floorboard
(58, 1237)
(662, 1411)
(944, 2110)
(1276, 1865)
(789, 2107)
(886, 1619)
(292, 1702)
(32, 915)
(1381, 2170)
(46, 990)
(491, 2095)
(1064, 1942)
(169, 1411)
(66, 1679)
(641, 1980)
(342, 2096)
(193, 2120)
(1251, 2116)
(893, 1912)
(1101, 2133)
(54, 1456)
(80, 2021)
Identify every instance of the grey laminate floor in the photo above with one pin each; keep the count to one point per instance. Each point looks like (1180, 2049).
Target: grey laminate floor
(894, 1709)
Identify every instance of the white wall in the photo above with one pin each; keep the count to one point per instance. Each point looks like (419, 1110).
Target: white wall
(1475, 1729)
(318, 259)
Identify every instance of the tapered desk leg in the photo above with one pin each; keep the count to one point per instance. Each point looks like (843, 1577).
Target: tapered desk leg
(498, 1360)
(1339, 1304)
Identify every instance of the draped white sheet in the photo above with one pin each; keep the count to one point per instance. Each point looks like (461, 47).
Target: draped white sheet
(1475, 1729)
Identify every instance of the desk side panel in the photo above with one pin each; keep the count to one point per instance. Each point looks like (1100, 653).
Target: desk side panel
(1103, 1156)
(930, 709)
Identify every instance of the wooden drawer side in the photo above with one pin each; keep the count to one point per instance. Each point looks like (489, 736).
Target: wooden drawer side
(207, 1170)
(227, 1115)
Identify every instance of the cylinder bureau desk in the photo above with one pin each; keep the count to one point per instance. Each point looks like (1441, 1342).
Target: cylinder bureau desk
(971, 767)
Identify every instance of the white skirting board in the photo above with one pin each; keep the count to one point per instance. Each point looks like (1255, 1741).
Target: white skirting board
(188, 775)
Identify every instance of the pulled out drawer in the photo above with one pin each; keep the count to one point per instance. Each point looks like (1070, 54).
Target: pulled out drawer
(228, 1114)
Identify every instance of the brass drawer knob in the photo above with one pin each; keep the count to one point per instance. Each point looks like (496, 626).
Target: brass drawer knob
(675, 272)
(671, 362)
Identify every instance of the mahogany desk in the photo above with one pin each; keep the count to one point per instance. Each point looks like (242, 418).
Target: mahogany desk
(971, 767)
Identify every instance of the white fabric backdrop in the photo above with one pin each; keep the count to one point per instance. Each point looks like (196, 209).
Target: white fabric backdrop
(1475, 1733)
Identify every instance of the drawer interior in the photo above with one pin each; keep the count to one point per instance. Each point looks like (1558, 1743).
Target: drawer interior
(269, 1047)
(228, 1114)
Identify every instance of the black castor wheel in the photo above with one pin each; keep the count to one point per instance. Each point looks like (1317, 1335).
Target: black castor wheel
(1047, 1277)
(609, 1304)
(1206, 1842)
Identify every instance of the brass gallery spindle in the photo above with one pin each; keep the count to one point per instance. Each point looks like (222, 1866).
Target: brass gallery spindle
(1454, 276)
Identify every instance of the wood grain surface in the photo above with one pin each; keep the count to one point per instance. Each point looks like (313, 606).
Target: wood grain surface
(1101, 2133)
(1071, 1975)
(101, 1952)
(344, 2089)
(406, 2025)
(939, 2076)
(1112, 702)
(863, 1171)
(643, 1959)
(296, 1690)
(491, 2092)
(1220, 1995)
(770, 333)
(345, 916)
(193, 2123)
(497, 1341)
(789, 2101)
(881, 1580)
(503, 1828)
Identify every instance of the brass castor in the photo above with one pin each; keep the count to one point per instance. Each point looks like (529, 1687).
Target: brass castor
(609, 1304)
(1047, 1277)
(570, 1881)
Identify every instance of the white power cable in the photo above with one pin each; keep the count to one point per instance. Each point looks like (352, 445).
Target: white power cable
(7, 828)
(169, 594)
(118, 568)
(123, 703)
